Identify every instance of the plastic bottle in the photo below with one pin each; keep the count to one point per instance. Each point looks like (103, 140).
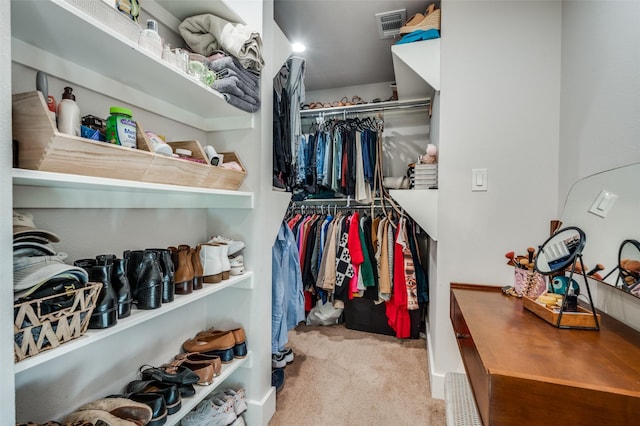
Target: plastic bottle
(69, 114)
(150, 39)
(121, 128)
(158, 145)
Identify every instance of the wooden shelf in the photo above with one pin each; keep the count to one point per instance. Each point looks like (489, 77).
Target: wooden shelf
(45, 37)
(36, 189)
(137, 317)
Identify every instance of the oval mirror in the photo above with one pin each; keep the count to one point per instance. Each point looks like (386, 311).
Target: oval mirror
(629, 267)
(560, 250)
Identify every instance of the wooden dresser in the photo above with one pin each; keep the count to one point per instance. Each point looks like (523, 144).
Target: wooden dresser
(524, 371)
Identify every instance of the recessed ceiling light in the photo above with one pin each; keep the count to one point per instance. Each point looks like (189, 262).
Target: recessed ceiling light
(298, 47)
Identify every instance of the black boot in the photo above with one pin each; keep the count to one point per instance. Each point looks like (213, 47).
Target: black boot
(145, 278)
(119, 281)
(168, 274)
(105, 313)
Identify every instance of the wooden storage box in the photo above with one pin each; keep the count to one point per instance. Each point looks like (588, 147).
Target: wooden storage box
(581, 319)
(42, 147)
(34, 332)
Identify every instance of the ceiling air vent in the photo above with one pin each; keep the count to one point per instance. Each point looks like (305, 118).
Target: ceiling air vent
(389, 23)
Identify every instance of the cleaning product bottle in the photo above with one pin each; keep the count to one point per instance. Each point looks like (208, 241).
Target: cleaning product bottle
(69, 114)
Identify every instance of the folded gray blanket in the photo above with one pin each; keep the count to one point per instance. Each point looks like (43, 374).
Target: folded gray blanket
(207, 33)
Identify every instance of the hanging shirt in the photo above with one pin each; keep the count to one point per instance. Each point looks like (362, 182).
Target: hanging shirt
(396, 308)
(287, 299)
(355, 250)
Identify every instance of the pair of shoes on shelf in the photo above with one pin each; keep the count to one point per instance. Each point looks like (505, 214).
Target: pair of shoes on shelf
(237, 265)
(112, 411)
(236, 398)
(225, 344)
(215, 262)
(169, 392)
(282, 358)
(235, 246)
(419, 22)
(189, 270)
(212, 412)
(178, 375)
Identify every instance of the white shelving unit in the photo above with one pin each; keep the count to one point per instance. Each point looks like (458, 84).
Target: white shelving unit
(49, 41)
(417, 71)
(69, 44)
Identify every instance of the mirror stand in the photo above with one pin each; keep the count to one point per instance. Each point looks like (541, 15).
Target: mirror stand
(563, 308)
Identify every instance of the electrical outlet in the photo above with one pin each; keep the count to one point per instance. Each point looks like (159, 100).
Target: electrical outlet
(603, 203)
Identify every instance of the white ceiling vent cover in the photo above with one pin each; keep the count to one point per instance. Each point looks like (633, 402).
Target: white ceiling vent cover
(389, 23)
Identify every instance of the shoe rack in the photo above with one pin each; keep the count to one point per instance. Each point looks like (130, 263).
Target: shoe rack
(98, 215)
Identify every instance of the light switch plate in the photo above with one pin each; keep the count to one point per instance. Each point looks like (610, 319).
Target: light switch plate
(603, 203)
(479, 180)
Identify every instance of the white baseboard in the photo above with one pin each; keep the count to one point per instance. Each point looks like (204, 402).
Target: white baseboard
(260, 412)
(436, 379)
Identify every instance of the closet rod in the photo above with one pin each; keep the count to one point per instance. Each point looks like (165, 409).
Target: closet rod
(370, 107)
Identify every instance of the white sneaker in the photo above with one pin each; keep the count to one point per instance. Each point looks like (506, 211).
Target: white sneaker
(224, 409)
(237, 265)
(278, 360)
(235, 246)
(239, 404)
(208, 413)
(239, 422)
(288, 355)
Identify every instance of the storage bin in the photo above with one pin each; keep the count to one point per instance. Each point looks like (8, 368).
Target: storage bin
(109, 17)
(35, 332)
(42, 147)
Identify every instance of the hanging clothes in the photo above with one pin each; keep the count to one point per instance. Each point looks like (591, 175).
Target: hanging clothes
(287, 299)
(288, 95)
(339, 264)
(340, 156)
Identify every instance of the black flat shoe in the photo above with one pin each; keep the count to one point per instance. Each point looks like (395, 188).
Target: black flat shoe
(157, 404)
(169, 392)
(180, 375)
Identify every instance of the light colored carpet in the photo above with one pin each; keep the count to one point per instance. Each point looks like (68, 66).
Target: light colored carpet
(347, 377)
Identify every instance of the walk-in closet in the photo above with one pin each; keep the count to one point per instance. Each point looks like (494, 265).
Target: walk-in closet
(318, 212)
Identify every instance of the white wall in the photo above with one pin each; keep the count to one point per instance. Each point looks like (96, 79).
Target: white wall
(600, 125)
(499, 110)
(600, 106)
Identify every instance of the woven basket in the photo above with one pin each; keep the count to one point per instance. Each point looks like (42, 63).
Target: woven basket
(34, 332)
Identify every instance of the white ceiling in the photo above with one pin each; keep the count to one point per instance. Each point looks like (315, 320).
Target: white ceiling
(341, 36)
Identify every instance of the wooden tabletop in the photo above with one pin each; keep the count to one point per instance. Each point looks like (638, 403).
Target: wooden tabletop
(512, 341)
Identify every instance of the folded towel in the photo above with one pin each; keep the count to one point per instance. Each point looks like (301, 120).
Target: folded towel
(229, 62)
(240, 103)
(253, 90)
(230, 86)
(207, 33)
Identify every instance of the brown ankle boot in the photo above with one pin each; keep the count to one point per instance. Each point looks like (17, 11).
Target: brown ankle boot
(197, 267)
(184, 270)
